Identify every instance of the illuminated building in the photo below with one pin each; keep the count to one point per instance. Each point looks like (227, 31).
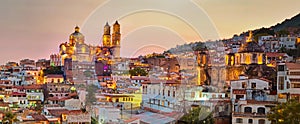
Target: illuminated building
(82, 62)
(202, 68)
(250, 53)
(250, 58)
(54, 78)
(55, 60)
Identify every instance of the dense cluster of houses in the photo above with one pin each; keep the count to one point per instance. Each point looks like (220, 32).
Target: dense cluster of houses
(237, 80)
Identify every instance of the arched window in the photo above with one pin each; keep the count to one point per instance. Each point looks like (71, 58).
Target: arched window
(248, 110)
(261, 121)
(250, 121)
(239, 120)
(261, 110)
(248, 59)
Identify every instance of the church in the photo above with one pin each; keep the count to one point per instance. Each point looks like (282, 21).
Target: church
(250, 59)
(82, 63)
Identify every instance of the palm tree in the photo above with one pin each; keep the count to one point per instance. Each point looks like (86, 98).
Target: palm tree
(10, 117)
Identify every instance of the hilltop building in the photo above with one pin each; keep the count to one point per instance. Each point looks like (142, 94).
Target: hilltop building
(82, 62)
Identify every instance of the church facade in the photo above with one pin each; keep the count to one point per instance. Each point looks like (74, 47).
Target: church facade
(83, 63)
(250, 59)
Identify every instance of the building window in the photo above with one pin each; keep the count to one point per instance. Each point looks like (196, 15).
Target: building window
(239, 96)
(294, 85)
(254, 57)
(173, 93)
(280, 67)
(248, 110)
(261, 121)
(281, 83)
(261, 110)
(192, 94)
(163, 92)
(244, 85)
(253, 85)
(220, 96)
(214, 96)
(250, 121)
(168, 92)
(239, 120)
(248, 59)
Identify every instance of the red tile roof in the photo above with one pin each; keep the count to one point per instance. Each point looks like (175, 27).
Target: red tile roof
(131, 120)
(39, 117)
(75, 112)
(260, 102)
(4, 104)
(275, 54)
(293, 66)
(34, 86)
(139, 78)
(58, 112)
(17, 93)
(54, 76)
(58, 99)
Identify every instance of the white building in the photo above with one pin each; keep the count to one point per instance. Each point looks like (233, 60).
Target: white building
(108, 115)
(54, 78)
(174, 96)
(288, 42)
(251, 101)
(235, 47)
(270, 43)
(137, 80)
(288, 81)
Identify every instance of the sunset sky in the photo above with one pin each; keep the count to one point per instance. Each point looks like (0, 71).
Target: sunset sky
(34, 28)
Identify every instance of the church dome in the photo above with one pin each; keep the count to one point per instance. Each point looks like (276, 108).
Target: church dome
(77, 37)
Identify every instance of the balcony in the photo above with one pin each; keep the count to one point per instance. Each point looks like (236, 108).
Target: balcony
(293, 90)
(35, 96)
(252, 115)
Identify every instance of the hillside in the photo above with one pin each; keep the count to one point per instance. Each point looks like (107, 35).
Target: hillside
(287, 27)
(293, 22)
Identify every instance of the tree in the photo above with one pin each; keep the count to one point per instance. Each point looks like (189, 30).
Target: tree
(94, 121)
(199, 115)
(53, 70)
(90, 96)
(286, 113)
(283, 33)
(10, 117)
(138, 72)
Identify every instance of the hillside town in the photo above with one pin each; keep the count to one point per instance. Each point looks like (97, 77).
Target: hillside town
(237, 80)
